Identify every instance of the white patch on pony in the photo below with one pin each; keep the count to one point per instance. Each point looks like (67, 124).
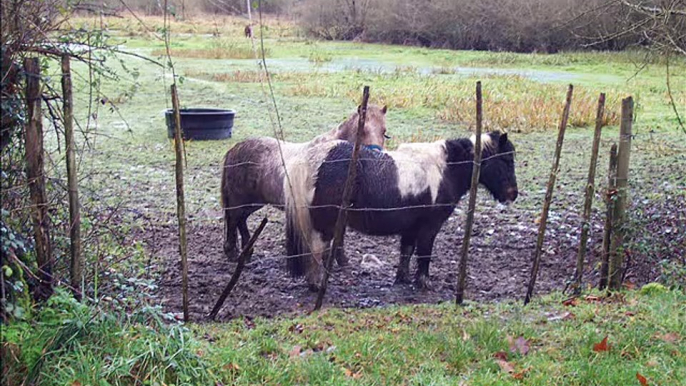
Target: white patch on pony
(298, 188)
(420, 167)
(486, 141)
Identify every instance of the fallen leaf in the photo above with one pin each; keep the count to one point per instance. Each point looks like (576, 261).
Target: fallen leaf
(571, 302)
(670, 337)
(354, 375)
(297, 328)
(569, 316)
(76, 383)
(465, 336)
(520, 375)
(232, 367)
(505, 366)
(520, 345)
(629, 285)
(602, 346)
(642, 379)
(295, 352)
(502, 355)
(591, 298)
(629, 313)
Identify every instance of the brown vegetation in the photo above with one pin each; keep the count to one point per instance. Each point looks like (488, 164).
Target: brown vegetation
(498, 25)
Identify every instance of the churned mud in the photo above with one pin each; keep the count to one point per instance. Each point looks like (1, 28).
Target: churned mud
(500, 260)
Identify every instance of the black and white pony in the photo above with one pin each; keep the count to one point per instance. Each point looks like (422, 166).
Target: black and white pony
(409, 192)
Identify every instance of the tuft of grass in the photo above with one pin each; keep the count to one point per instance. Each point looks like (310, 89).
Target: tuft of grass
(244, 76)
(218, 49)
(319, 58)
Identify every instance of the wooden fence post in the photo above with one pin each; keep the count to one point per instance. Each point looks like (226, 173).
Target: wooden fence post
(72, 181)
(588, 202)
(476, 169)
(610, 205)
(36, 178)
(180, 199)
(341, 221)
(549, 195)
(619, 216)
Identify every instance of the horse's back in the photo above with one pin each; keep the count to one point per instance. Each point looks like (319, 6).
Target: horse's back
(379, 206)
(253, 170)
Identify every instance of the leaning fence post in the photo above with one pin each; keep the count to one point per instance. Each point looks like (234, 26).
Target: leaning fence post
(239, 268)
(549, 195)
(588, 202)
(610, 205)
(619, 215)
(476, 169)
(36, 178)
(341, 221)
(180, 200)
(72, 181)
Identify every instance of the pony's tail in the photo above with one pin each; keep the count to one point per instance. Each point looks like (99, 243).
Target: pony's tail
(298, 197)
(225, 185)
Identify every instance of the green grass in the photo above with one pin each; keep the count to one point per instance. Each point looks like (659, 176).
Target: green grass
(426, 344)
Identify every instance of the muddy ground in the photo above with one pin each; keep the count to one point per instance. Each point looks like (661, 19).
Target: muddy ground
(499, 265)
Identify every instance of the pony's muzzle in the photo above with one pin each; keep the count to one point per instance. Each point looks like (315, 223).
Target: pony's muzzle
(511, 194)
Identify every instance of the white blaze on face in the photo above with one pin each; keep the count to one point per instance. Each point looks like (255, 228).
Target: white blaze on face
(420, 167)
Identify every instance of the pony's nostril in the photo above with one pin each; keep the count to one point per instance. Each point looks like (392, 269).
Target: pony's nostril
(512, 193)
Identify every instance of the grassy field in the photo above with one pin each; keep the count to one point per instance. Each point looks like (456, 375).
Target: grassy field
(550, 342)
(128, 170)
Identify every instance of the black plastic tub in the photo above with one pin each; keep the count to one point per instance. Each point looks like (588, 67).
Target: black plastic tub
(202, 123)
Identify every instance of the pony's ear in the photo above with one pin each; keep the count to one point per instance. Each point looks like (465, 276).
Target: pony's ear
(503, 139)
(384, 109)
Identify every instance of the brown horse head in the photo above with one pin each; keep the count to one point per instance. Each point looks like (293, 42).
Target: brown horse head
(373, 134)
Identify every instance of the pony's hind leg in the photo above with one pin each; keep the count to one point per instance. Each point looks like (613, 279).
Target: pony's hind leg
(230, 235)
(245, 235)
(407, 244)
(425, 245)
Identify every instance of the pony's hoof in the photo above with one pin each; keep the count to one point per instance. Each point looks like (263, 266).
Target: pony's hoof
(231, 254)
(341, 258)
(424, 283)
(402, 279)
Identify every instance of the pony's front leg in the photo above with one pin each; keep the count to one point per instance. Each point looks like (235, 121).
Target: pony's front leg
(341, 258)
(407, 244)
(425, 245)
(315, 268)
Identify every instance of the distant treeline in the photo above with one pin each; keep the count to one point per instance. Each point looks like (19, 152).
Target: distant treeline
(496, 25)
(196, 7)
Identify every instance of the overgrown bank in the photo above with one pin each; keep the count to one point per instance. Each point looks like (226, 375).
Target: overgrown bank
(550, 342)
(497, 25)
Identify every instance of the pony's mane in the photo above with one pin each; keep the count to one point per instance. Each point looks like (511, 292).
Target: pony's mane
(346, 128)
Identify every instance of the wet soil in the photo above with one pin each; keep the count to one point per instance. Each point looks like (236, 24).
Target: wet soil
(499, 266)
